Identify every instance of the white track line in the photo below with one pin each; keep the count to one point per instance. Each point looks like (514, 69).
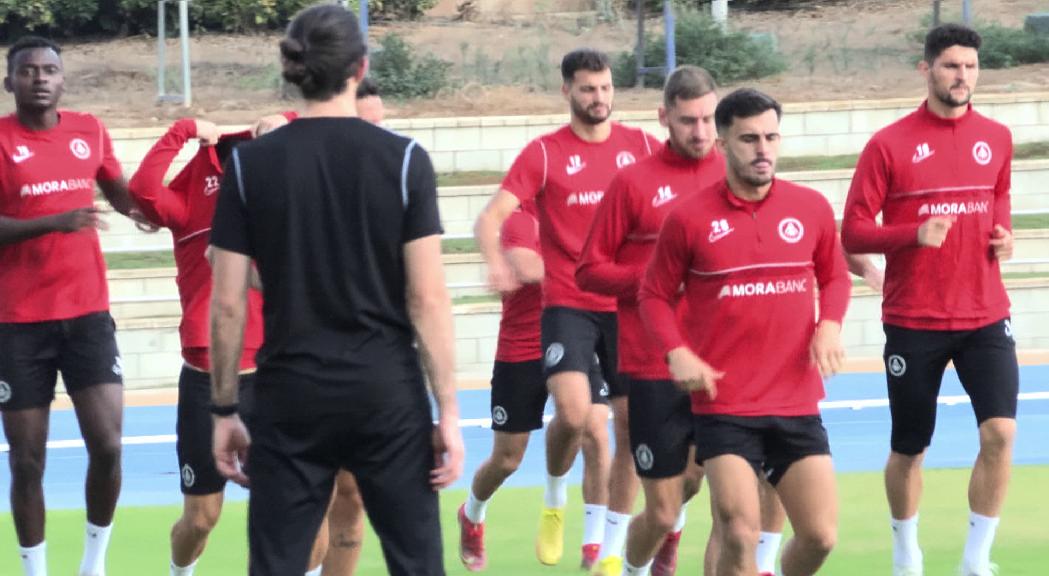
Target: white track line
(486, 422)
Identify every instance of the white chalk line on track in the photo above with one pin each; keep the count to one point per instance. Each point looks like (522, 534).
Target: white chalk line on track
(486, 422)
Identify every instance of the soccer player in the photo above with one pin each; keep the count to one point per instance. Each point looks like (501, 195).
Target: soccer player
(746, 255)
(341, 218)
(613, 260)
(940, 178)
(186, 206)
(54, 300)
(566, 173)
(518, 390)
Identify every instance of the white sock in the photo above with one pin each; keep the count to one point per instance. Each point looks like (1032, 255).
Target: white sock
(631, 570)
(316, 571)
(616, 526)
(905, 549)
(34, 559)
(768, 547)
(475, 509)
(96, 541)
(594, 523)
(177, 570)
(981, 536)
(679, 525)
(556, 495)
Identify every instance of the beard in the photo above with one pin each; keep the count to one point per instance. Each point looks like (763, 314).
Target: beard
(741, 171)
(945, 97)
(589, 115)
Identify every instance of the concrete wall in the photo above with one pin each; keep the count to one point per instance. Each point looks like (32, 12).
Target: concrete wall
(815, 128)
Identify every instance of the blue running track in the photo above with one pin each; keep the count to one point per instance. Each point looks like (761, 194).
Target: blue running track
(855, 412)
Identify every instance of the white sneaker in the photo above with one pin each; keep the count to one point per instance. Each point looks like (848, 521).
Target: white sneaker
(907, 570)
(988, 569)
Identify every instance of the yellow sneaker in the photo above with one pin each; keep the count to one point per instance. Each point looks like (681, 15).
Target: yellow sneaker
(608, 566)
(550, 542)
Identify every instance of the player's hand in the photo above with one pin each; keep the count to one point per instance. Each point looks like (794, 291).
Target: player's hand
(230, 442)
(267, 124)
(874, 278)
(1002, 243)
(692, 374)
(141, 222)
(826, 350)
(501, 278)
(448, 453)
(75, 220)
(933, 231)
(207, 132)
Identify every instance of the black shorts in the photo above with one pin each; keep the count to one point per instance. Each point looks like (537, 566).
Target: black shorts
(193, 427)
(769, 443)
(915, 360)
(82, 349)
(519, 394)
(292, 467)
(620, 386)
(661, 428)
(571, 337)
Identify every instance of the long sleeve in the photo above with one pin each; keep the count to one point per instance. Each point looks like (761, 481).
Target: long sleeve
(662, 282)
(860, 232)
(1003, 204)
(158, 202)
(598, 270)
(832, 272)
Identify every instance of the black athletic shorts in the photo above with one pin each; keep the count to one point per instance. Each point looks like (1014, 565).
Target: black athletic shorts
(915, 360)
(661, 428)
(769, 443)
(619, 386)
(571, 337)
(292, 467)
(82, 349)
(519, 394)
(193, 427)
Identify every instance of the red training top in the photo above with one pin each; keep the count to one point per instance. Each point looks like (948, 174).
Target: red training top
(623, 237)
(186, 206)
(55, 276)
(519, 325)
(748, 270)
(923, 166)
(567, 177)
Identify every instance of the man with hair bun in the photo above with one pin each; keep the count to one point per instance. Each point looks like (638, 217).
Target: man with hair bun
(341, 218)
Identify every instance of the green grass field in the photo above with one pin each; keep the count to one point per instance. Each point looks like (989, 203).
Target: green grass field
(140, 536)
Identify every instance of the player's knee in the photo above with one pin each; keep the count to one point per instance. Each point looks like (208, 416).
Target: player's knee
(739, 534)
(27, 467)
(661, 516)
(507, 461)
(106, 454)
(997, 435)
(820, 540)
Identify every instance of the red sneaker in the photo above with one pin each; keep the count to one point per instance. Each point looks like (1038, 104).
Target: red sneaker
(471, 543)
(590, 554)
(665, 562)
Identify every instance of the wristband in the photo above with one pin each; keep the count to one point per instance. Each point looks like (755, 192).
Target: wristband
(223, 410)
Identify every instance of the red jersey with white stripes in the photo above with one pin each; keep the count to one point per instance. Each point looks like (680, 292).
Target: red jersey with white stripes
(750, 271)
(567, 178)
(623, 237)
(923, 166)
(519, 325)
(186, 206)
(55, 276)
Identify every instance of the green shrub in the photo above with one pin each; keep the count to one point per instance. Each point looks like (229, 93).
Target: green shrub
(399, 9)
(402, 73)
(1006, 47)
(728, 56)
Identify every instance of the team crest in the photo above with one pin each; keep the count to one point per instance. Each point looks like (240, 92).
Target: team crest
(982, 153)
(5, 392)
(189, 478)
(897, 365)
(499, 415)
(791, 230)
(624, 158)
(554, 353)
(79, 148)
(644, 456)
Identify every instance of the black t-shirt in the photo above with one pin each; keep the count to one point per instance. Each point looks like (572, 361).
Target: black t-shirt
(325, 206)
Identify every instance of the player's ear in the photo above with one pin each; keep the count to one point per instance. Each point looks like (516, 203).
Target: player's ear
(362, 70)
(663, 120)
(7, 84)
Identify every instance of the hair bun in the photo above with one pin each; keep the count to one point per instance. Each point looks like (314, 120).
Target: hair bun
(292, 49)
(293, 59)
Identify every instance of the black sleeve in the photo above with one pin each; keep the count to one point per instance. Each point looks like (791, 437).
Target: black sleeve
(229, 228)
(421, 217)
